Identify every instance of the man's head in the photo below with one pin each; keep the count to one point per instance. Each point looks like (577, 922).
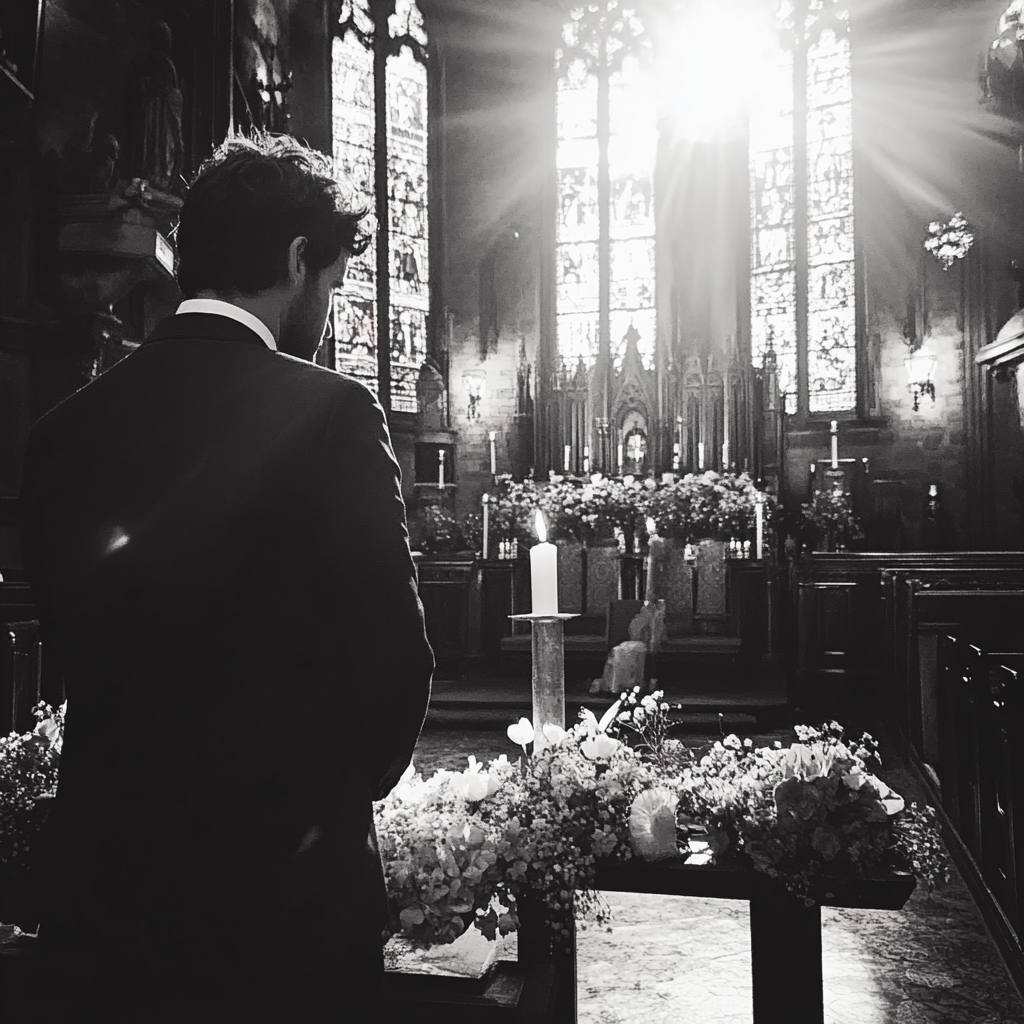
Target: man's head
(267, 225)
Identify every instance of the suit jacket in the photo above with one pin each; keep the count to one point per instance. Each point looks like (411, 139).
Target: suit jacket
(217, 542)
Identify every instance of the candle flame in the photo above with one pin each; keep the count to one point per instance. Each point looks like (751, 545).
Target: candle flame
(652, 526)
(542, 530)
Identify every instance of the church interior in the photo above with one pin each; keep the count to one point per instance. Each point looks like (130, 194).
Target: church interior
(633, 244)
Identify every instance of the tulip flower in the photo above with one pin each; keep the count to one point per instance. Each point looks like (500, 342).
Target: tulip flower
(521, 733)
(554, 734)
(474, 784)
(599, 747)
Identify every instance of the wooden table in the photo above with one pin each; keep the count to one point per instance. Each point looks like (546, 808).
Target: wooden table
(785, 934)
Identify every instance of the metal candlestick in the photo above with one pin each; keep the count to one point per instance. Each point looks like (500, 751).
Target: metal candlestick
(548, 672)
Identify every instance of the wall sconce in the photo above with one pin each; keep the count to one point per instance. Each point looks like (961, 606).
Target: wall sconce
(921, 365)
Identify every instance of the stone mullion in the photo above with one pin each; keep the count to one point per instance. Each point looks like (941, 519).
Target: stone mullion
(381, 50)
(604, 366)
(800, 212)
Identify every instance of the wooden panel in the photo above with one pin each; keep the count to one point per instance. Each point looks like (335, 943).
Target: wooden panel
(444, 590)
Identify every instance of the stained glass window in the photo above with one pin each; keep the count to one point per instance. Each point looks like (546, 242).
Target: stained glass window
(632, 139)
(354, 320)
(811, 81)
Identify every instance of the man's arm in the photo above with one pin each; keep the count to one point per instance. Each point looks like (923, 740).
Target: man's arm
(383, 648)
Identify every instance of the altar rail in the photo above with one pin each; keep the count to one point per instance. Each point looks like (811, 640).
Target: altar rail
(841, 662)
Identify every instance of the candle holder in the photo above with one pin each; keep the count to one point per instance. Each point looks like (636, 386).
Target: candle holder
(548, 648)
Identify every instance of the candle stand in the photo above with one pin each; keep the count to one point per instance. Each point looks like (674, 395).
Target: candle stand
(548, 671)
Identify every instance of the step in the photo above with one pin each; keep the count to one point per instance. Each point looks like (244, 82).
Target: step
(592, 644)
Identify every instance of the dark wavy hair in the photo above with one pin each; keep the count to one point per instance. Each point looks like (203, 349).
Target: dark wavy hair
(249, 201)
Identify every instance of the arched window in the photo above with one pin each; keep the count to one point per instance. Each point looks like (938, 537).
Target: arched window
(794, 89)
(802, 280)
(607, 142)
(379, 113)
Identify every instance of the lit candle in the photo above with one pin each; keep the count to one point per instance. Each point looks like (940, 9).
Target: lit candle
(835, 444)
(544, 572)
(586, 458)
(494, 459)
(759, 522)
(700, 454)
(621, 465)
(440, 467)
(568, 452)
(487, 508)
(725, 455)
(655, 557)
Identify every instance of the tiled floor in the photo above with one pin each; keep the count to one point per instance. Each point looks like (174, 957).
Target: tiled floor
(688, 960)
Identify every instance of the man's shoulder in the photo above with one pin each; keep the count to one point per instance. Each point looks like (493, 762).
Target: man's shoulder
(330, 384)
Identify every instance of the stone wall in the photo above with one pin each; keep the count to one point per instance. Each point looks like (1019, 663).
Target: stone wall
(496, 90)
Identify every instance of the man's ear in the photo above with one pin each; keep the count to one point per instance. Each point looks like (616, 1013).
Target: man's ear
(297, 270)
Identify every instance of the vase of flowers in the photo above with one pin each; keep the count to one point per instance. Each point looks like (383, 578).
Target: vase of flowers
(828, 521)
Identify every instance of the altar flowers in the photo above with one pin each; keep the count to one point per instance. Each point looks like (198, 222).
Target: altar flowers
(811, 809)
(460, 844)
(29, 767)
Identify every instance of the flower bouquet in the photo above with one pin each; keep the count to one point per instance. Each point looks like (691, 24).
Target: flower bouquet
(811, 809)
(459, 845)
(29, 765)
(828, 519)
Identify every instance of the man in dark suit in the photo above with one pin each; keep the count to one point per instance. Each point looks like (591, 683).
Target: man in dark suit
(216, 538)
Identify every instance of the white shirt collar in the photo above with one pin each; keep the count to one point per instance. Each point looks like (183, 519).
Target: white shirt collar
(222, 308)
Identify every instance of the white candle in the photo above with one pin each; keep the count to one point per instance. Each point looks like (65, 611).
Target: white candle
(568, 452)
(655, 555)
(835, 444)
(725, 455)
(440, 467)
(487, 509)
(494, 460)
(621, 465)
(759, 521)
(700, 454)
(586, 458)
(544, 572)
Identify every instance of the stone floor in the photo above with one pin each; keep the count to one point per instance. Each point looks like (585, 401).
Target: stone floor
(686, 960)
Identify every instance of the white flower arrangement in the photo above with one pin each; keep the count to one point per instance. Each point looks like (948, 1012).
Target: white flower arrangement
(460, 847)
(951, 241)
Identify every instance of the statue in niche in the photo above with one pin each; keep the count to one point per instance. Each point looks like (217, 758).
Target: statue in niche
(430, 396)
(154, 117)
(89, 165)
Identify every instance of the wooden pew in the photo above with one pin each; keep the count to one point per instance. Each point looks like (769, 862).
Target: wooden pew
(1002, 781)
(910, 642)
(837, 608)
(979, 785)
(20, 658)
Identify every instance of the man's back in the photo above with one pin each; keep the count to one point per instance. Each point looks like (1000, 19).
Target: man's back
(217, 542)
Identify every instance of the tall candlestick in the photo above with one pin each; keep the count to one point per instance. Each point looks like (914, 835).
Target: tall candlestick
(700, 454)
(759, 522)
(621, 466)
(568, 452)
(725, 456)
(655, 562)
(494, 460)
(487, 509)
(835, 444)
(544, 572)
(586, 459)
(440, 467)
